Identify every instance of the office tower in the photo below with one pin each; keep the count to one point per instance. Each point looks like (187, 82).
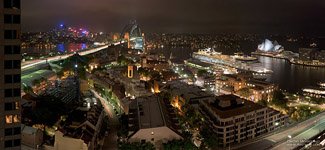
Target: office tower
(10, 69)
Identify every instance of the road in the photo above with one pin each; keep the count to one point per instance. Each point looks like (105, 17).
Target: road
(301, 138)
(108, 108)
(110, 141)
(278, 139)
(32, 63)
(316, 143)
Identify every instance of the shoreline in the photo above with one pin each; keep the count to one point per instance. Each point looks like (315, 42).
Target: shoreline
(288, 60)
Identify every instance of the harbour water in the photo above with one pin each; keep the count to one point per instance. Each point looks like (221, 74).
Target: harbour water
(292, 77)
(58, 48)
(288, 76)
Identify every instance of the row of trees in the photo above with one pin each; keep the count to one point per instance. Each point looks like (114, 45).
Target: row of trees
(185, 144)
(136, 146)
(152, 74)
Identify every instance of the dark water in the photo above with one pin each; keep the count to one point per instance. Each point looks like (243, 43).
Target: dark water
(288, 76)
(72, 47)
(292, 77)
(61, 48)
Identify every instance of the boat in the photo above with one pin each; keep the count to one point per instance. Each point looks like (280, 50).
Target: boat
(244, 63)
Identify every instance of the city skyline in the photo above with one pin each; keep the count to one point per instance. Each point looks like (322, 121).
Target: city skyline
(147, 75)
(271, 17)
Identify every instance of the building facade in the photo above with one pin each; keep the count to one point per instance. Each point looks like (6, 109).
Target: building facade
(235, 120)
(321, 56)
(10, 68)
(307, 54)
(31, 137)
(252, 89)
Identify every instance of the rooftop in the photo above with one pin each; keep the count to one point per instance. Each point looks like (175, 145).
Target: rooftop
(28, 129)
(149, 112)
(187, 91)
(259, 83)
(226, 106)
(29, 78)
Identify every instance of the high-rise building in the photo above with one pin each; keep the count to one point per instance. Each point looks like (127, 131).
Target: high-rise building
(10, 69)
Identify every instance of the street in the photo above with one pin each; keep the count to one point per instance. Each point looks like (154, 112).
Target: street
(110, 141)
(32, 63)
(300, 131)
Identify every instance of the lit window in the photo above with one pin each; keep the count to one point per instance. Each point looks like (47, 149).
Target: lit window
(16, 105)
(8, 119)
(16, 118)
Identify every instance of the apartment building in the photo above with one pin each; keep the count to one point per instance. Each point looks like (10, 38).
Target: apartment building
(10, 70)
(235, 120)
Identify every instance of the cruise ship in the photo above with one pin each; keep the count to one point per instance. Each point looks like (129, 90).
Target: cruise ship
(240, 62)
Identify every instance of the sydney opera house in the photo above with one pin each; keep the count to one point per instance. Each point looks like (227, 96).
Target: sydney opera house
(269, 46)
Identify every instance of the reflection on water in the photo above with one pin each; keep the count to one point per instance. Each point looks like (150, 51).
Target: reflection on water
(292, 77)
(72, 47)
(45, 49)
(288, 76)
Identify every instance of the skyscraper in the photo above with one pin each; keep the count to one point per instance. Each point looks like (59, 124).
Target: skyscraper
(10, 69)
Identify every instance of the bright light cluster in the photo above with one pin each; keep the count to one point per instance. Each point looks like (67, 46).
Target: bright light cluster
(268, 45)
(314, 91)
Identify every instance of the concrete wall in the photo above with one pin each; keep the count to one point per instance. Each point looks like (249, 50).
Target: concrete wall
(66, 143)
(157, 135)
(32, 140)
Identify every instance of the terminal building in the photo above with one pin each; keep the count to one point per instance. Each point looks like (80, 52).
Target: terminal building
(316, 92)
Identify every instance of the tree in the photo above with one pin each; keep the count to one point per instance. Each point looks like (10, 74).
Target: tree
(136, 146)
(262, 102)
(165, 96)
(179, 145)
(122, 60)
(318, 101)
(36, 82)
(210, 139)
(47, 111)
(279, 99)
(76, 63)
(27, 89)
(155, 75)
(201, 73)
(59, 74)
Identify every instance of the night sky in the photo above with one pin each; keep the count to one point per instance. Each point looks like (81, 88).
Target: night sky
(179, 16)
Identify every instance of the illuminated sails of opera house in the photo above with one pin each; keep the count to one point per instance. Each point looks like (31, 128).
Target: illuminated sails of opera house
(269, 46)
